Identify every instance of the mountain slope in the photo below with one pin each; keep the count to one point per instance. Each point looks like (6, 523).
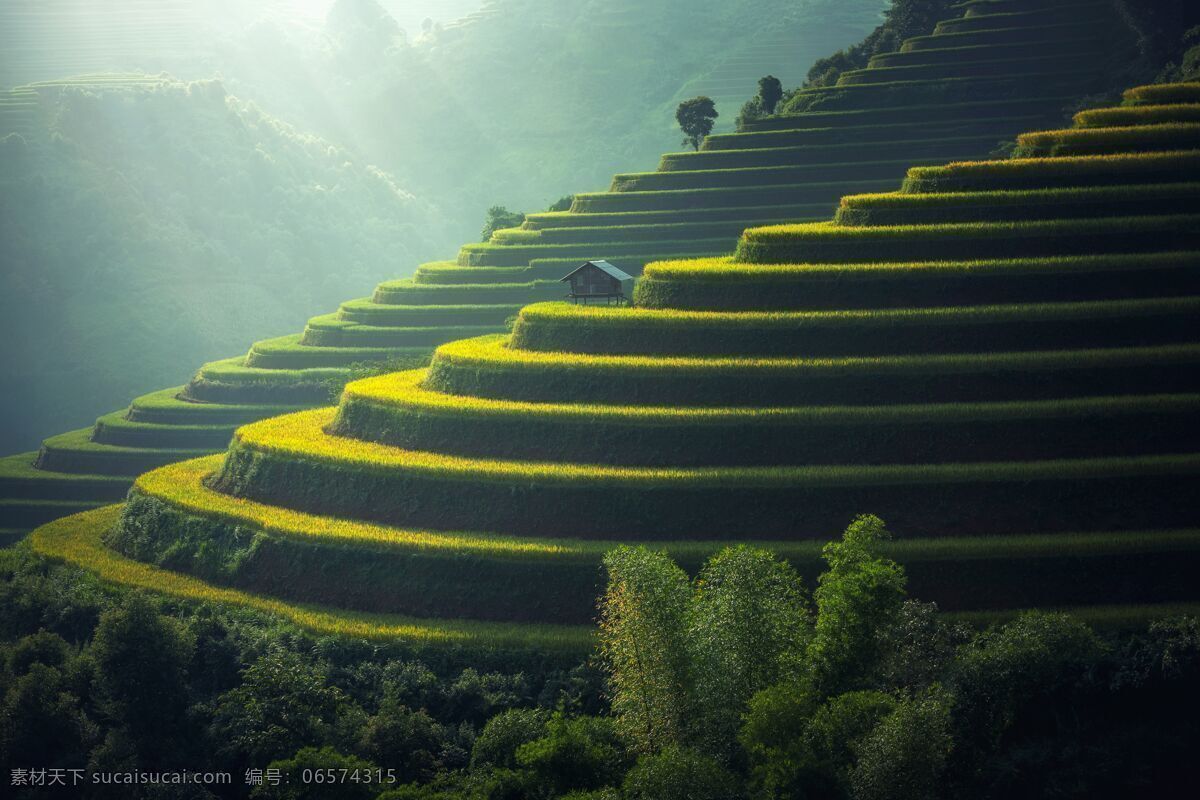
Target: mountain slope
(147, 223)
(999, 359)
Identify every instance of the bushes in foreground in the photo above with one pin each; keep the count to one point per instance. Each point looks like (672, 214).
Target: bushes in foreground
(736, 684)
(864, 694)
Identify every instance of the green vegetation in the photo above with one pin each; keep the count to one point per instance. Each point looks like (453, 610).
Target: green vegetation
(860, 693)
(696, 118)
(541, 723)
(499, 217)
(200, 223)
(78, 541)
(723, 285)
(770, 92)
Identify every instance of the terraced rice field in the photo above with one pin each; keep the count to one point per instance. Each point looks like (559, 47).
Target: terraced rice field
(786, 50)
(784, 169)
(1022, 418)
(50, 39)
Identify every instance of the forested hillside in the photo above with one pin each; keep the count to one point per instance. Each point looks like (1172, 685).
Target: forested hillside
(148, 225)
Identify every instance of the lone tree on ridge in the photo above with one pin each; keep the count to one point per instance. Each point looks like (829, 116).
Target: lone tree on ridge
(695, 118)
(770, 92)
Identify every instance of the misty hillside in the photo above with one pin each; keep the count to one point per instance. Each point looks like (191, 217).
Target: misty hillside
(468, 103)
(150, 225)
(527, 100)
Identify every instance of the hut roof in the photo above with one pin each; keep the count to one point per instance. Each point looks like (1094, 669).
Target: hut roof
(606, 267)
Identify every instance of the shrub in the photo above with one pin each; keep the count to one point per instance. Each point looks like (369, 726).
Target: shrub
(770, 92)
(580, 753)
(498, 742)
(322, 762)
(905, 756)
(678, 773)
(499, 217)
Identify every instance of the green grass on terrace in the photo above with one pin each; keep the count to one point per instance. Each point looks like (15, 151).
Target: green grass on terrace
(488, 360)
(828, 241)
(899, 208)
(988, 65)
(410, 293)
(723, 285)
(951, 55)
(1138, 115)
(182, 485)
(301, 439)
(116, 429)
(647, 236)
(645, 321)
(1156, 137)
(288, 352)
(1086, 170)
(1163, 93)
(367, 312)
(1066, 12)
(574, 219)
(948, 146)
(1047, 34)
(77, 452)
(819, 231)
(726, 270)
(19, 477)
(763, 176)
(383, 568)
(78, 541)
(719, 197)
(916, 113)
(166, 408)
(405, 390)
(234, 370)
(407, 341)
(890, 133)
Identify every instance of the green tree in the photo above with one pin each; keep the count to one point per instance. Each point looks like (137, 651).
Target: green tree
(750, 624)
(770, 92)
(580, 753)
(283, 704)
(679, 773)
(405, 740)
(644, 624)
(324, 783)
(499, 217)
(772, 737)
(904, 757)
(1025, 674)
(141, 668)
(497, 743)
(41, 722)
(562, 204)
(798, 749)
(695, 118)
(917, 645)
(42, 647)
(856, 597)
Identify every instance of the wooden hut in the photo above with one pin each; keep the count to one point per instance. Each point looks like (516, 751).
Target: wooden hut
(599, 280)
